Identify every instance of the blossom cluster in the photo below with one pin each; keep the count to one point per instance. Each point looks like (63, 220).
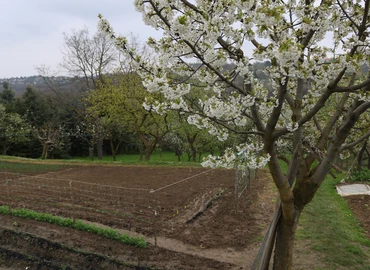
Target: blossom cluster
(307, 43)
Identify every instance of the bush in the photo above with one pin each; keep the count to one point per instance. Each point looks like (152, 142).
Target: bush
(360, 176)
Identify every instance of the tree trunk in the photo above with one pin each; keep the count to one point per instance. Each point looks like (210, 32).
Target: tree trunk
(284, 246)
(91, 153)
(191, 141)
(147, 155)
(178, 154)
(113, 150)
(194, 155)
(45, 149)
(200, 156)
(99, 146)
(148, 152)
(141, 150)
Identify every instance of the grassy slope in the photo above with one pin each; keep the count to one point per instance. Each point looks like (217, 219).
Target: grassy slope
(157, 158)
(12, 165)
(333, 231)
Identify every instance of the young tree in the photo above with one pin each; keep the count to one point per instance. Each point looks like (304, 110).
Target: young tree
(50, 137)
(307, 70)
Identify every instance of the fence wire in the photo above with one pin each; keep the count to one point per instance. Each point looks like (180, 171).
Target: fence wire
(243, 177)
(126, 207)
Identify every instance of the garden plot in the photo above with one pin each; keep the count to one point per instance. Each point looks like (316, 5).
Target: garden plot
(149, 200)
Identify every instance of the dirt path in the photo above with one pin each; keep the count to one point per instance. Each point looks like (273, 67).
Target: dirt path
(242, 258)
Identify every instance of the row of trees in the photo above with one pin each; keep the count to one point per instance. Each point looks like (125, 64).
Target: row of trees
(101, 110)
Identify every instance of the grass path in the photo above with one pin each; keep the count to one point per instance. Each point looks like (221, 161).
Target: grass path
(331, 230)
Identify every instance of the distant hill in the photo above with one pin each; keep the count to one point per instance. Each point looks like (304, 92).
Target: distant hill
(19, 84)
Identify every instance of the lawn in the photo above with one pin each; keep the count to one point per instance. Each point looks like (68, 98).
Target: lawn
(333, 231)
(157, 158)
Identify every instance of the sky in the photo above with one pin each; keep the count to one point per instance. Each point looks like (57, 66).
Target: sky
(31, 31)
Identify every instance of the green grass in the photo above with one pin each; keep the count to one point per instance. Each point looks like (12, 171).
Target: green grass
(37, 165)
(74, 224)
(333, 231)
(23, 167)
(157, 158)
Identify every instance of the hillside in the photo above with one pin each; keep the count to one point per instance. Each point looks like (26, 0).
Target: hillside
(19, 84)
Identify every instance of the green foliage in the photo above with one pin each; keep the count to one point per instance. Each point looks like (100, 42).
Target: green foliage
(7, 96)
(34, 107)
(333, 231)
(359, 176)
(13, 129)
(119, 105)
(74, 224)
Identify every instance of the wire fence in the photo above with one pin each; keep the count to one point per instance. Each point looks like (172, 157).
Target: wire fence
(117, 206)
(110, 205)
(243, 177)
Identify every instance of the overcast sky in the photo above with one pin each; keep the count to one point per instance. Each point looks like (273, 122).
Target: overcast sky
(31, 30)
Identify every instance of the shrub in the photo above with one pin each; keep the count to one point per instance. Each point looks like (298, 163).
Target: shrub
(360, 176)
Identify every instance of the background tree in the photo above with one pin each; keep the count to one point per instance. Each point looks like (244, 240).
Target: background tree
(192, 140)
(290, 35)
(116, 134)
(35, 107)
(50, 137)
(91, 129)
(45, 118)
(13, 129)
(92, 58)
(122, 102)
(7, 96)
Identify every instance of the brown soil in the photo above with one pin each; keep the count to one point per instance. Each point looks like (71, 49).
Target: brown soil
(188, 212)
(360, 206)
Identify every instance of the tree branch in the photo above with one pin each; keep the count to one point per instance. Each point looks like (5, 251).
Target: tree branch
(352, 144)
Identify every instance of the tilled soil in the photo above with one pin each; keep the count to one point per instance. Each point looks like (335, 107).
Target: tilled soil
(191, 211)
(360, 205)
(37, 245)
